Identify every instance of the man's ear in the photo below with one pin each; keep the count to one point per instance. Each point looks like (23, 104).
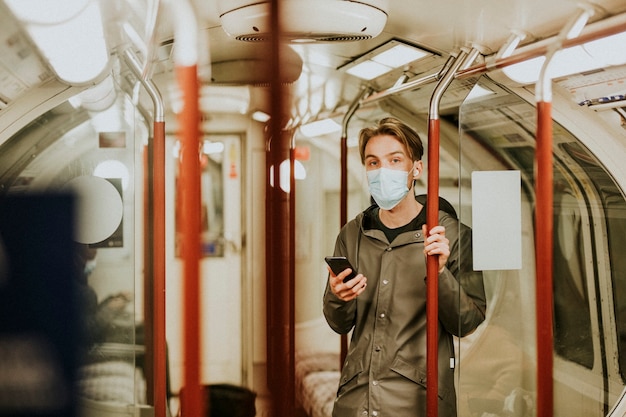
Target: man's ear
(417, 169)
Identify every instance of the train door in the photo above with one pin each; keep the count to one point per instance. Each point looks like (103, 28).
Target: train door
(220, 265)
(221, 272)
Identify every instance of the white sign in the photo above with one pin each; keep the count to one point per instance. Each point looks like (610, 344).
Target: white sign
(496, 220)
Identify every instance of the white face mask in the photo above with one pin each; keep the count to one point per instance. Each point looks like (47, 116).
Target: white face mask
(90, 265)
(388, 186)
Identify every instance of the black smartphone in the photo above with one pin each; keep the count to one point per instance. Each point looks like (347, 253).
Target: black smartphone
(340, 263)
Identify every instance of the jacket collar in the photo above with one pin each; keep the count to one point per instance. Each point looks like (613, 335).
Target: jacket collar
(368, 227)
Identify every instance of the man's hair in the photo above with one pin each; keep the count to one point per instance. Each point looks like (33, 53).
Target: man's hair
(393, 127)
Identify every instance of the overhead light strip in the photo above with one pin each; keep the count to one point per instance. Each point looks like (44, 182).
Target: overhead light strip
(320, 128)
(385, 58)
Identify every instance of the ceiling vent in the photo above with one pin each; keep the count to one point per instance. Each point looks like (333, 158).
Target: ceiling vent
(305, 20)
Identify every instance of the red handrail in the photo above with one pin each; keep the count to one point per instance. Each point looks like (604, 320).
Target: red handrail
(158, 230)
(148, 254)
(280, 256)
(343, 218)
(432, 272)
(343, 190)
(189, 213)
(154, 248)
(543, 259)
(432, 219)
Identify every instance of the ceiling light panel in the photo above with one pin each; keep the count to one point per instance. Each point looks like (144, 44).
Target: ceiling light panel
(320, 128)
(400, 55)
(385, 58)
(369, 70)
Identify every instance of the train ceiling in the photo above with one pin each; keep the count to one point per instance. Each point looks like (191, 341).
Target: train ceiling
(323, 87)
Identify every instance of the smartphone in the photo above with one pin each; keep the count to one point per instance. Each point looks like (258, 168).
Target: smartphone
(340, 263)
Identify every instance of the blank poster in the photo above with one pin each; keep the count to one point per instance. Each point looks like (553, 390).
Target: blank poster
(496, 220)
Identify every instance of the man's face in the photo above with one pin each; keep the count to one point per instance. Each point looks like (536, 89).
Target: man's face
(385, 151)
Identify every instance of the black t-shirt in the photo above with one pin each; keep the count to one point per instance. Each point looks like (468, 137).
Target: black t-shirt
(372, 219)
(415, 224)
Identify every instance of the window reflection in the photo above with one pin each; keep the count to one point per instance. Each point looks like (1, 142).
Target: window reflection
(572, 321)
(613, 207)
(212, 204)
(212, 223)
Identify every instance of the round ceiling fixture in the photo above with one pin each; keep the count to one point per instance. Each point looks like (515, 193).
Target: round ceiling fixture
(99, 208)
(306, 20)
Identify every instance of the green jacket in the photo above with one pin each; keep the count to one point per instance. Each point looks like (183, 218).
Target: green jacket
(385, 369)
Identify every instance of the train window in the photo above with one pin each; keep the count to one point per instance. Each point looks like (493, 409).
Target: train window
(612, 220)
(572, 320)
(97, 156)
(213, 177)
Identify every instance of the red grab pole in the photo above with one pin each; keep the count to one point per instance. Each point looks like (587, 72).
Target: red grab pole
(158, 227)
(280, 229)
(432, 272)
(343, 218)
(543, 259)
(432, 219)
(154, 249)
(189, 212)
(544, 219)
(343, 191)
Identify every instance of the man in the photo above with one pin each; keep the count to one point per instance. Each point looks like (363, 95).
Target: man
(384, 374)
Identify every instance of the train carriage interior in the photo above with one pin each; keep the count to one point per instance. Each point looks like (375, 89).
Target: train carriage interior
(120, 108)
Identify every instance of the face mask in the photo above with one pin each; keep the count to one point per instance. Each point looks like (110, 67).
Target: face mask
(387, 186)
(89, 267)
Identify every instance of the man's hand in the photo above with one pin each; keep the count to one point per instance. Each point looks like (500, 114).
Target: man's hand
(349, 290)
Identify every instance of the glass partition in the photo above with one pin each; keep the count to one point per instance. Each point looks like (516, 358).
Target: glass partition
(497, 370)
(95, 157)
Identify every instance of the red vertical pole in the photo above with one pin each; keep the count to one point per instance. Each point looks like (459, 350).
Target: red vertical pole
(280, 284)
(158, 196)
(432, 219)
(343, 218)
(290, 388)
(544, 219)
(154, 249)
(343, 200)
(543, 259)
(343, 191)
(432, 272)
(190, 208)
(148, 261)
(280, 256)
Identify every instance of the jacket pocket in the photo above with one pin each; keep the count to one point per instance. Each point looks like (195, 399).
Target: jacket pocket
(409, 371)
(418, 376)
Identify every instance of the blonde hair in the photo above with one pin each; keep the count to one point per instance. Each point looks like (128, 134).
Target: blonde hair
(393, 127)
